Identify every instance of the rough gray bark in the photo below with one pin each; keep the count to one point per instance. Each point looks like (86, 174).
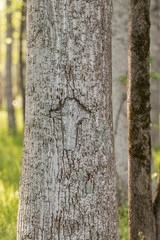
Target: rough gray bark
(9, 97)
(21, 54)
(119, 66)
(139, 137)
(155, 88)
(68, 179)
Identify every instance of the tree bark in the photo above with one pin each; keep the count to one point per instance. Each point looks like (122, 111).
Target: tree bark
(155, 88)
(139, 136)
(9, 97)
(119, 66)
(68, 179)
(21, 54)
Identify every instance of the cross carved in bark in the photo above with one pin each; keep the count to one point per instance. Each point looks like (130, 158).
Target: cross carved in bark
(73, 113)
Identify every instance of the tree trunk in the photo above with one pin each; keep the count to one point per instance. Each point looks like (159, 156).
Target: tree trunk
(68, 180)
(155, 88)
(21, 55)
(9, 97)
(139, 139)
(119, 66)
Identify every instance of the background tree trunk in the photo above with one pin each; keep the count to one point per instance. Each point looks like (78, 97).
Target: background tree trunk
(155, 88)
(21, 54)
(68, 180)
(9, 97)
(139, 139)
(119, 66)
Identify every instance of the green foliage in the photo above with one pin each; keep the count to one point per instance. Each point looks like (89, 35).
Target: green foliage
(156, 157)
(10, 163)
(141, 236)
(151, 60)
(123, 221)
(154, 176)
(123, 79)
(155, 75)
(8, 213)
(156, 126)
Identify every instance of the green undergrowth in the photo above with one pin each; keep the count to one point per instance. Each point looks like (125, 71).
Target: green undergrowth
(123, 221)
(10, 164)
(156, 157)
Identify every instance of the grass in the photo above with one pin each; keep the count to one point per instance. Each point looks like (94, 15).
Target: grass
(123, 221)
(8, 213)
(10, 164)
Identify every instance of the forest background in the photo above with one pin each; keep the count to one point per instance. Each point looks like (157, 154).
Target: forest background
(13, 50)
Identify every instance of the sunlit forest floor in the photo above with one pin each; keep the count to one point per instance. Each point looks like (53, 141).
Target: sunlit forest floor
(10, 165)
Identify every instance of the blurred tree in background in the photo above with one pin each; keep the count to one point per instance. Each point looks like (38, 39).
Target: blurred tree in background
(8, 76)
(12, 49)
(12, 39)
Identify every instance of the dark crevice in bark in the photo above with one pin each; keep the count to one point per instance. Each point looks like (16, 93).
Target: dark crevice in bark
(64, 102)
